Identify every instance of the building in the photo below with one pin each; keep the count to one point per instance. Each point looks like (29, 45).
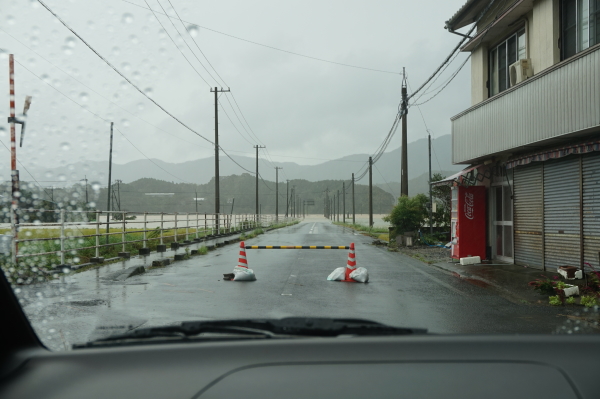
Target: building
(532, 134)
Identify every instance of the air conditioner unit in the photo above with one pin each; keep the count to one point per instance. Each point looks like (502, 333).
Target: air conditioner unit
(519, 71)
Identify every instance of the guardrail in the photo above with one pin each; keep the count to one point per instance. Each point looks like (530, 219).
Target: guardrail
(83, 233)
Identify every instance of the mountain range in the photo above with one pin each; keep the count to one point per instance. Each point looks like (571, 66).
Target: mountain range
(386, 172)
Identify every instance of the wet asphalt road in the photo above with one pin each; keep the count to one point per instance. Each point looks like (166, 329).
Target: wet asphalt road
(402, 291)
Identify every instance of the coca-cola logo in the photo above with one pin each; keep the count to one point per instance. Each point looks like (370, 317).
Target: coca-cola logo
(469, 205)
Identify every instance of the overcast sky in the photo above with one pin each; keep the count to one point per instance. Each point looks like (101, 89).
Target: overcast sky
(302, 109)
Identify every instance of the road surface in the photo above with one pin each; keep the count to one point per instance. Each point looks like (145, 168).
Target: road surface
(402, 291)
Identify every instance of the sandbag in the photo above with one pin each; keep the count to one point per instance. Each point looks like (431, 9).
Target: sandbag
(360, 275)
(337, 275)
(243, 274)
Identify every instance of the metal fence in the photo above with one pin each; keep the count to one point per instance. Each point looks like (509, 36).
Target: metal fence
(69, 237)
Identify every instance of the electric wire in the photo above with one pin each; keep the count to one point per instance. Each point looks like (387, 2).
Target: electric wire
(184, 41)
(120, 73)
(271, 47)
(454, 50)
(197, 46)
(28, 172)
(149, 159)
(99, 94)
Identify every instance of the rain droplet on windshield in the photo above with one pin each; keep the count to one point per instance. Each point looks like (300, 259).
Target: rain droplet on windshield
(148, 91)
(127, 18)
(193, 30)
(65, 147)
(116, 51)
(83, 97)
(70, 42)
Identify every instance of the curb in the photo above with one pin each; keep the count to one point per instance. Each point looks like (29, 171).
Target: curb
(508, 294)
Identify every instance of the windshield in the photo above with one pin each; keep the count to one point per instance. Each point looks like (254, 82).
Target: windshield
(168, 161)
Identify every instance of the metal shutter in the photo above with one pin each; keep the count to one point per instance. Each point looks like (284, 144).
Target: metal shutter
(562, 219)
(528, 212)
(591, 209)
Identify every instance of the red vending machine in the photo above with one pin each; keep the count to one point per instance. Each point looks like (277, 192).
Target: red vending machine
(468, 221)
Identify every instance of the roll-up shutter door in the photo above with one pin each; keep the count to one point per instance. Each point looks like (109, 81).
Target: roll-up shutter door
(591, 208)
(562, 219)
(529, 210)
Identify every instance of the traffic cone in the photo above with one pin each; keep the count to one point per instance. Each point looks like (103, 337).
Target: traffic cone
(350, 264)
(241, 272)
(242, 261)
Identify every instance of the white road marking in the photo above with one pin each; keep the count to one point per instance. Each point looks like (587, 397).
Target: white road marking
(313, 229)
(289, 285)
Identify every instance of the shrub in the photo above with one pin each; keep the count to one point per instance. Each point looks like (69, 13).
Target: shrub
(588, 301)
(203, 250)
(409, 214)
(555, 300)
(570, 300)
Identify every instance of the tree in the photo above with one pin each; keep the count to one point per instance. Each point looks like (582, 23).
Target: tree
(409, 214)
(443, 198)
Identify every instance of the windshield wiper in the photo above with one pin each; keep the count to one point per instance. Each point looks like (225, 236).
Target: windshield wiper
(257, 328)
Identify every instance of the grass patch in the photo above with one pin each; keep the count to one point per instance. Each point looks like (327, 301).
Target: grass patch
(203, 250)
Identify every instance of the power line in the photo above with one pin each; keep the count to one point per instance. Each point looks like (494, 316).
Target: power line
(184, 41)
(155, 164)
(196, 43)
(99, 94)
(38, 183)
(271, 47)
(121, 74)
(453, 50)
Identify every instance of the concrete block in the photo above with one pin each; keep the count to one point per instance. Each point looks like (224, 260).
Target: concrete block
(161, 248)
(470, 260)
(99, 259)
(194, 252)
(227, 242)
(197, 239)
(179, 257)
(126, 255)
(175, 245)
(187, 242)
(161, 262)
(210, 247)
(144, 251)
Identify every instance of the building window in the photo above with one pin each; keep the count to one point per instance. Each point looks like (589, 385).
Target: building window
(580, 26)
(501, 58)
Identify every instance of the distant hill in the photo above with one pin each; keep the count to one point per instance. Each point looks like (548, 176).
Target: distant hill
(201, 171)
(238, 192)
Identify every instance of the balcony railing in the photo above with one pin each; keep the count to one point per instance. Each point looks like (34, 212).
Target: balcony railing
(560, 101)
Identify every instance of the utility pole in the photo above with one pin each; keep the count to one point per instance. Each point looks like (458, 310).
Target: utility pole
(257, 147)
(370, 192)
(353, 208)
(327, 203)
(344, 200)
(277, 193)
(109, 182)
(404, 165)
(293, 198)
(13, 161)
(338, 205)
(86, 188)
(333, 207)
(430, 193)
(196, 201)
(217, 190)
(287, 198)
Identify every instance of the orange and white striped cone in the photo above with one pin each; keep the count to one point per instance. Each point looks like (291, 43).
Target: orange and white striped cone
(242, 261)
(241, 272)
(350, 264)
